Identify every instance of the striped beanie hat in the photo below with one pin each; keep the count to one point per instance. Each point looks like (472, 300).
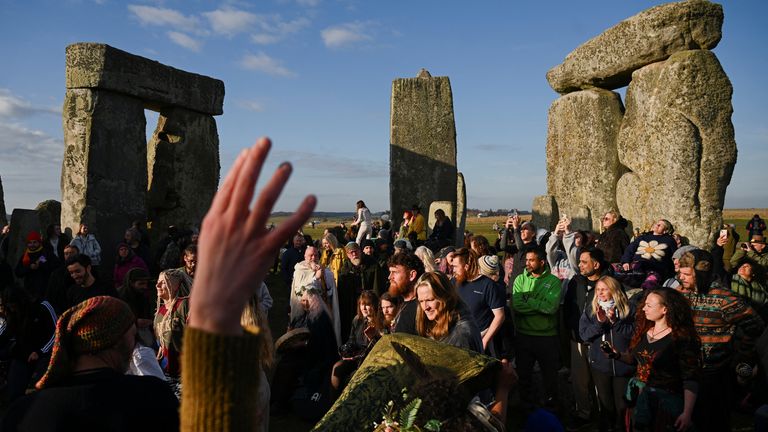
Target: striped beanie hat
(489, 265)
(92, 326)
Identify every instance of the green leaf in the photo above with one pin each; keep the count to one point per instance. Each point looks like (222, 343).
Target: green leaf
(433, 425)
(408, 414)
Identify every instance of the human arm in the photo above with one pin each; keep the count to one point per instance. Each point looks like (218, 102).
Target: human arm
(96, 247)
(265, 298)
(590, 328)
(571, 251)
(629, 253)
(737, 256)
(551, 248)
(222, 288)
(683, 421)
(498, 320)
(506, 378)
(544, 298)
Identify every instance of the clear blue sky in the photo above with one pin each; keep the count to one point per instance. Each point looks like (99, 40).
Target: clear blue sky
(316, 76)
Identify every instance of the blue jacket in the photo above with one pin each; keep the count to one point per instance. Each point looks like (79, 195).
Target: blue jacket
(619, 334)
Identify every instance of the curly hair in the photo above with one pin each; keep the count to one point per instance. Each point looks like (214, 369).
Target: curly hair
(407, 260)
(447, 306)
(481, 245)
(679, 316)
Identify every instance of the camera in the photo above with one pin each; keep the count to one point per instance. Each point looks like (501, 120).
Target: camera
(349, 350)
(606, 347)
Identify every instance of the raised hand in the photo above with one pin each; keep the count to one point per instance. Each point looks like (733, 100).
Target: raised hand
(235, 248)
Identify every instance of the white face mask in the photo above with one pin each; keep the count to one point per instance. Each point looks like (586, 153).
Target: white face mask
(606, 305)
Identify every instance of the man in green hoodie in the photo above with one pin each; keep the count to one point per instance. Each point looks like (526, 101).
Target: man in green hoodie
(535, 299)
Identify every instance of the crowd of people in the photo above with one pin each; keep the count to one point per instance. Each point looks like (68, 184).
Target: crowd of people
(655, 333)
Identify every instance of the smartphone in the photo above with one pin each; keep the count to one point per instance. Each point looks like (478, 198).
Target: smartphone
(606, 347)
(724, 233)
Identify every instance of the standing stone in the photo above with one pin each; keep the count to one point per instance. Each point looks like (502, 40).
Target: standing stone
(461, 209)
(105, 174)
(608, 60)
(582, 160)
(422, 154)
(3, 216)
(183, 169)
(23, 222)
(49, 213)
(103, 177)
(545, 214)
(678, 140)
(446, 206)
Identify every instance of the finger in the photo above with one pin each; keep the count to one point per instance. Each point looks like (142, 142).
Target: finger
(221, 199)
(246, 180)
(268, 196)
(291, 225)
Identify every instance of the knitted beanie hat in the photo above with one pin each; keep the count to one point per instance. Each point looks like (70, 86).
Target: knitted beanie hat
(489, 265)
(87, 328)
(34, 236)
(681, 250)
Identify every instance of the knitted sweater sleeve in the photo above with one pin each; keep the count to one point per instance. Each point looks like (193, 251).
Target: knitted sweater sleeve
(220, 381)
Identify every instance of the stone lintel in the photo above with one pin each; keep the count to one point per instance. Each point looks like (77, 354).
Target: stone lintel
(100, 66)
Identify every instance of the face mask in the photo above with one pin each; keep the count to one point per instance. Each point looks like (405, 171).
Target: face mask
(606, 305)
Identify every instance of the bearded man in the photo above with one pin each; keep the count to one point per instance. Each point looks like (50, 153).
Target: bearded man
(484, 298)
(309, 273)
(404, 270)
(358, 273)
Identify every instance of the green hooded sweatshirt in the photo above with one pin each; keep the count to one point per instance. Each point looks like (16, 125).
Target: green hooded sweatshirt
(535, 301)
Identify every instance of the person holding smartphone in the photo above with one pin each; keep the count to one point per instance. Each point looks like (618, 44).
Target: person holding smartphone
(608, 324)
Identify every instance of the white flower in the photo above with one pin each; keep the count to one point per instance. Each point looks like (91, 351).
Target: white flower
(651, 249)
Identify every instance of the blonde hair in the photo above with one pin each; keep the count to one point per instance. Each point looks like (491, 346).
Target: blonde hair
(253, 316)
(617, 294)
(427, 257)
(447, 306)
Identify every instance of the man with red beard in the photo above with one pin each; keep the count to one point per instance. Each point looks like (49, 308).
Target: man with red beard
(404, 270)
(484, 298)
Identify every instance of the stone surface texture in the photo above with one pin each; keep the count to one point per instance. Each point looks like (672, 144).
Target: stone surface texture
(100, 66)
(23, 221)
(678, 140)
(422, 143)
(544, 210)
(608, 60)
(103, 176)
(183, 170)
(582, 162)
(461, 209)
(49, 213)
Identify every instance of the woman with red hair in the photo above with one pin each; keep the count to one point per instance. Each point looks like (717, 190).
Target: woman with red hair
(667, 350)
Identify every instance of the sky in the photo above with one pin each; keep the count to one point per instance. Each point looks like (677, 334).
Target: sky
(316, 76)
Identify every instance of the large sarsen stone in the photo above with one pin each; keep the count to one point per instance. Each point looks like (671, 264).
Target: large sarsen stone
(678, 140)
(582, 162)
(608, 60)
